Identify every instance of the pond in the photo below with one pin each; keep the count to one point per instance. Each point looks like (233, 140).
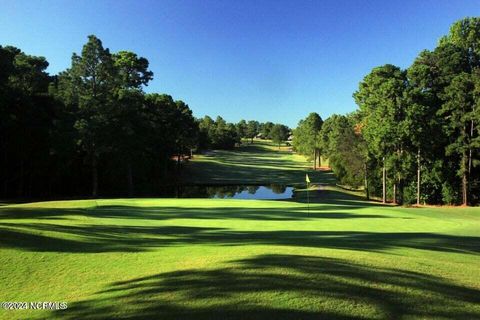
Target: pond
(265, 192)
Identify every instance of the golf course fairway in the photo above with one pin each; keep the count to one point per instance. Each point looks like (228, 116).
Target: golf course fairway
(338, 258)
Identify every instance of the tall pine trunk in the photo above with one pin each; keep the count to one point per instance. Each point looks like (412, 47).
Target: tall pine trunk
(465, 170)
(314, 159)
(464, 189)
(384, 182)
(464, 179)
(367, 195)
(470, 148)
(418, 177)
(395, 190)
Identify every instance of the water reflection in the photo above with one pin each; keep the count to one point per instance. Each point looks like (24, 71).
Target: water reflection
(273, 191)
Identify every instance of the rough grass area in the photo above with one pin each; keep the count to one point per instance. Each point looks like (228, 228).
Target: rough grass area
(338, 258)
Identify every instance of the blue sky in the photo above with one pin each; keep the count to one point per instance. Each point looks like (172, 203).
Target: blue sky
(264, 60)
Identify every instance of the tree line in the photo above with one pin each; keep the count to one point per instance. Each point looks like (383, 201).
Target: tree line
(92, 129)
(218, 134)
(415, 137)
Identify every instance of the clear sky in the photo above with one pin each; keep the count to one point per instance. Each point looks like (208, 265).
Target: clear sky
(265, 60)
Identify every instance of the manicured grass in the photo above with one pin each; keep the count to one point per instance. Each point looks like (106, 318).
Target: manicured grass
(339, 258)
(260, 162)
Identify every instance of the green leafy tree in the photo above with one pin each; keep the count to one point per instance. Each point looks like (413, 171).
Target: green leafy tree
(91, 83)
(241, 128)
(342, 144)
(161, 133)
(266, 130)
(131, 73)
(279, 134)
(187, 129)
(380, 98)
(465, 35)
(206, 127)
(25, 121)
(306, 139)
(429, 75)
(459, 112)
(252, 130)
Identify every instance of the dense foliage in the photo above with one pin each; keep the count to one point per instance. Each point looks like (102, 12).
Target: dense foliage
(279, 134)
(306, 137)
(92, 129)
(217, 134)
(416, 135)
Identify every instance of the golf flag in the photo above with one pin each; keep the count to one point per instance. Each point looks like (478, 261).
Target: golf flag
(307, 178)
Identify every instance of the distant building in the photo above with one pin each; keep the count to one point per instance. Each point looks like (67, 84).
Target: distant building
(290, 137)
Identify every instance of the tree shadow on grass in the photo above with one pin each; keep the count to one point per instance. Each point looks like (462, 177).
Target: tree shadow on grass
(324, 204)
(218, 211)
(335, 198)
(245, 170)
(117, 238)
(233, 213)
(282, 287)
(18, 213)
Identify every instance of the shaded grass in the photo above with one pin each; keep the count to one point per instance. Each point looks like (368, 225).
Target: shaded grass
(328, 284)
